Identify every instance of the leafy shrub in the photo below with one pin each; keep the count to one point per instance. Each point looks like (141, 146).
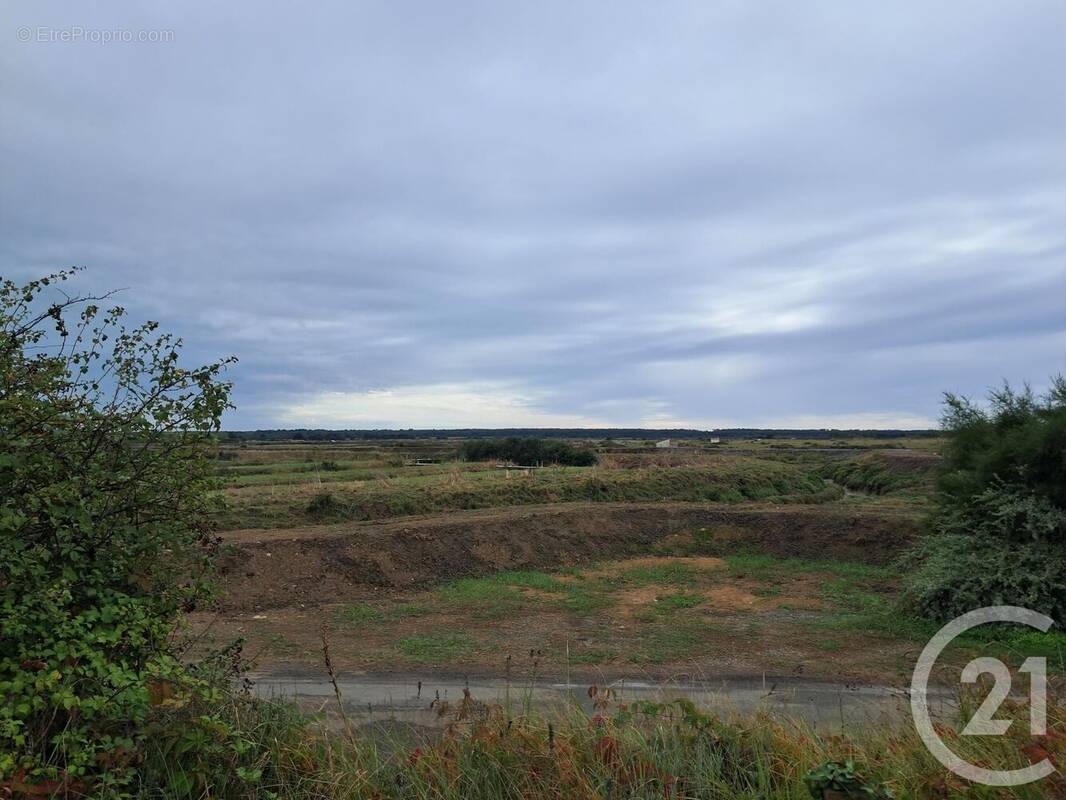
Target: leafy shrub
(527, 451)
(104, 535)
(1020, 440)
(322, 504)
(1004, 548)
(998, 534)
(843, 779)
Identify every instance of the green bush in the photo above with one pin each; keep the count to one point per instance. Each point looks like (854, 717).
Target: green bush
(1019, 440)
(104, 537)
(322, 504)
(835, 778)
(998, 533)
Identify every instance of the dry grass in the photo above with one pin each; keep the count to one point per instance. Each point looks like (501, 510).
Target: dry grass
(643, 750)
(391, 495)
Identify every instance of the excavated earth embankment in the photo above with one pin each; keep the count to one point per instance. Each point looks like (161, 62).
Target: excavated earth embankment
(331, 563)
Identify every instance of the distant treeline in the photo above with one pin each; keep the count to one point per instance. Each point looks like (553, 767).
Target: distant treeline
(527, 452)
(321, 434)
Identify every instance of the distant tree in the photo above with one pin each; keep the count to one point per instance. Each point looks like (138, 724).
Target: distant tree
(104, 533)
(527, 451)
(998, 533)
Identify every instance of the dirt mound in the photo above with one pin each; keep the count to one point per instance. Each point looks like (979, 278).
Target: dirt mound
(274, 568)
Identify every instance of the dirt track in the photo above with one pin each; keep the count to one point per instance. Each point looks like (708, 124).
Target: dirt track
(329, 564)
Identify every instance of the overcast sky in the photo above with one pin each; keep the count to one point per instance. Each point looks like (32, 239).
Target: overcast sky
(556, 213)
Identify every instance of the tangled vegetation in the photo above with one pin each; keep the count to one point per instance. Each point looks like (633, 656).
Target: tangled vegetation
(636, 751)
(103, 536)
(998, 534)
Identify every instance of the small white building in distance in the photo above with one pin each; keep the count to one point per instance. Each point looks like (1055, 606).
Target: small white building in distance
(664, 443)
(715, 439)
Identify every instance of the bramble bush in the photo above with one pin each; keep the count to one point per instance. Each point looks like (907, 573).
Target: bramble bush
(104, 538)
(998, 533)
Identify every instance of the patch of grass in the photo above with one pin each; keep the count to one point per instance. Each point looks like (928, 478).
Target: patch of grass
(675, 642)
(678, 600)
(585, 601)
(786, 605)
(486, 598)
(408, 610)
(756, 565)
(760, 565)
(531, 580)
(436, 648)
(1031, 642)
(279, 644)
(860, 611)
(827, 645)
(360, 614)
(766, 591)
(1015, 643)
(660, 574)
(365, 614)
(497, 595)
(593, 657)
(855, 607)
(703, 536)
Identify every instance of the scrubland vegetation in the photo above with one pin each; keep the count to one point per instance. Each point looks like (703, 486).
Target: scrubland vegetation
(527, 451)
(998, 532)
(445, 490)
(111, 485)
(643, 750)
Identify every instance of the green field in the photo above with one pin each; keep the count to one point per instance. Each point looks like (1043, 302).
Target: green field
(292, 494)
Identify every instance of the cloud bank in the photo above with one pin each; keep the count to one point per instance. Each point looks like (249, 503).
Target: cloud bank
(560, 213)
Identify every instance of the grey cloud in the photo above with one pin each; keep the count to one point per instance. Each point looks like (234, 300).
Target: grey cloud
(704, 211)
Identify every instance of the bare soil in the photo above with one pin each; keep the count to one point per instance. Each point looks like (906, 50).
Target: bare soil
(733, 627)
(302, 567)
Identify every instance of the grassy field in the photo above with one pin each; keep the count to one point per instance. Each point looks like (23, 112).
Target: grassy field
(288, 494)
(672, 607)
(696, 615)
(690, 604)
(680, 605)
